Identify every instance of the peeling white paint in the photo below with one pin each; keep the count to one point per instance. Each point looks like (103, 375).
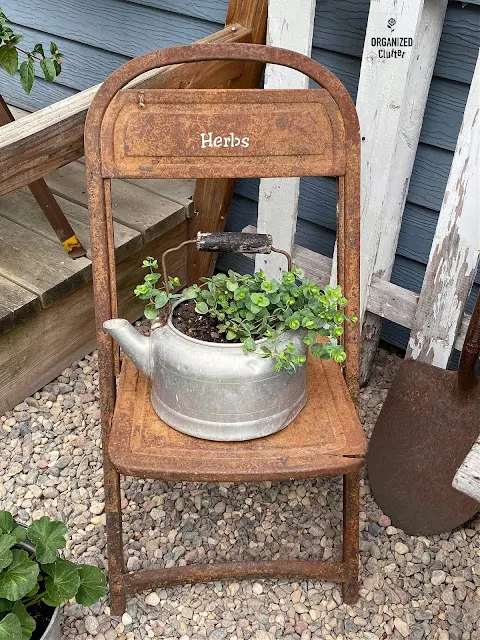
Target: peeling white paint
(454, 256)
(393, 136)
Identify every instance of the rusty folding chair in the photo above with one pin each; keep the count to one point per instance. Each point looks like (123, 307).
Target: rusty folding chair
(157, 133)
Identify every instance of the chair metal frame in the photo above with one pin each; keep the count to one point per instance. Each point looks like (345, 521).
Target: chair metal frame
(98, 146)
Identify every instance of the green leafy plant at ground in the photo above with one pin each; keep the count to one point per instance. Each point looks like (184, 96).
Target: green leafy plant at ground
(28, 579)
(51, 65)
(251, 307)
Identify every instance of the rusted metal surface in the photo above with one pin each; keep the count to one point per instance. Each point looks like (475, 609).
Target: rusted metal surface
(351, 542)
(336, 441)
(326, 438)
(428, 424)
(287, 569)
(201, 132)
(47, 202)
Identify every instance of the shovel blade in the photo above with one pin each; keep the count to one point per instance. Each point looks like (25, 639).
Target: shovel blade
(424, 431)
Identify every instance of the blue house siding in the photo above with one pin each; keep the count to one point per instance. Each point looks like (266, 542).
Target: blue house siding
(97, 36)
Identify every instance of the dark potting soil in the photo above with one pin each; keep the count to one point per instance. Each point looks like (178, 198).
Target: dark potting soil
(191, 323)
(42, 616)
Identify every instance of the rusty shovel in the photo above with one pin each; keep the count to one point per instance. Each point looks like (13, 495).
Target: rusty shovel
(427, 425)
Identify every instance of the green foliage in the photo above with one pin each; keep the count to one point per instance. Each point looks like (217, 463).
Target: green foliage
(42, 576)
(51, 66)
(250, 307)
(10, 628)
(158, 298)
(48, 536)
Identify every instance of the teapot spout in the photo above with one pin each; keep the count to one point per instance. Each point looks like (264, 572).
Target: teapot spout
(136, 346)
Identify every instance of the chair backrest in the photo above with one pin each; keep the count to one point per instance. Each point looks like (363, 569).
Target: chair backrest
(223, 133)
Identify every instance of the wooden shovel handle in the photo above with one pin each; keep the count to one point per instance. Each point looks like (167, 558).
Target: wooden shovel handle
(467, 378)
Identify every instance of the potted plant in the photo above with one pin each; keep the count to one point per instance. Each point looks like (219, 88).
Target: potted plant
(227, 359)
(35, 580)
(51, 65)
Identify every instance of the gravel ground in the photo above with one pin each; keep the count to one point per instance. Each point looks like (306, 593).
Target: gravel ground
(410, 587)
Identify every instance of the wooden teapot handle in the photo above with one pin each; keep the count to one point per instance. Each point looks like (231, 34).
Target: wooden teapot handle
(233, 242)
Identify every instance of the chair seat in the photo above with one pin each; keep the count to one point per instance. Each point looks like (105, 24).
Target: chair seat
(326, 438)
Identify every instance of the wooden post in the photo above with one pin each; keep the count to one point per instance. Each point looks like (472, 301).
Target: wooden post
(467, 478)
(385, 191)
(454, 256)
(290, 25)
(213, 196)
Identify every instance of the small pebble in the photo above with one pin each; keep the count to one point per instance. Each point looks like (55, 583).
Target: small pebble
(127, 619)
(384, 521)
(438, 576)
(153, 600)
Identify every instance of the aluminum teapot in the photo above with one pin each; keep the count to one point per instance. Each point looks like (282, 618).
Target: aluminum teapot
(209, 390)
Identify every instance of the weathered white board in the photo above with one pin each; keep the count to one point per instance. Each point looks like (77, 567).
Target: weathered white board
(455, 252)
(290, 25)
(383, 88)
(385, 193)
(467, 478)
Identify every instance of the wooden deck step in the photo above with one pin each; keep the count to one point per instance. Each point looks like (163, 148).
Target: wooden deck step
(16, 305)
(141, 209)
(46, 298)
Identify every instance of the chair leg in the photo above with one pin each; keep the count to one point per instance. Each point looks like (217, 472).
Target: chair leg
(351, 508)
(116, 563)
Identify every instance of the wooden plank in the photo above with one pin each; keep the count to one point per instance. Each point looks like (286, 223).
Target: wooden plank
(42, 95)
(42, 142)
(383, 89)
(467, 478)
(37, 264)
(16, 305)
(133, 207)
(37, 351)
(290, 26)
(454, 256)
(21, 209)
(385, 198)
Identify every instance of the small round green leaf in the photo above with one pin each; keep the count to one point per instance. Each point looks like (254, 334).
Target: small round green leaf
(92, 585)
(150, 312)
(201, 307)
(61, 582)
(189, 294)
(161, 299)
(47, 535)
(19, 577)
(10, 628)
